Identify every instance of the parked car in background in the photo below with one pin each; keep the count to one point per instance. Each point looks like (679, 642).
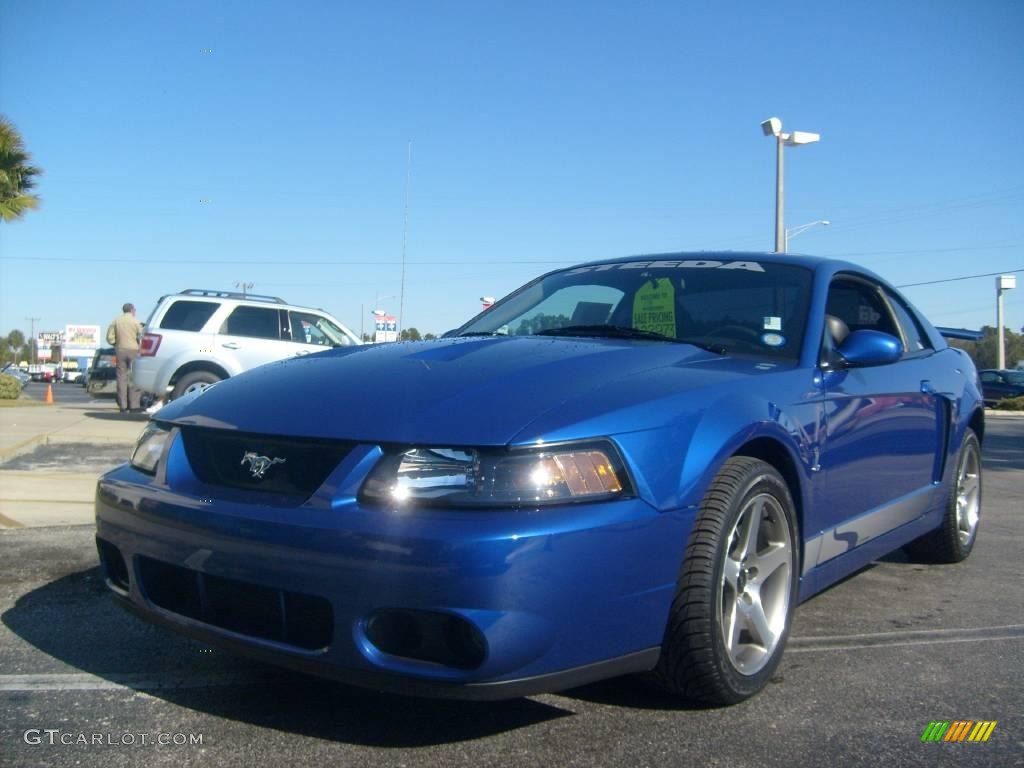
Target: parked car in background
(640, 464)
(44, 372)
(999, 384)
(102, 379)
(198, 337)
(74, 369)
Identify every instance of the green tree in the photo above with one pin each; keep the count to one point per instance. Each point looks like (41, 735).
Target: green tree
(429, 336)
(410, 334)
(985, 352)
(17, 175)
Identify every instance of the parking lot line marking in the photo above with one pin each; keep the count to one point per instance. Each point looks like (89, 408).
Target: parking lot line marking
(134, 681)
(904, 638)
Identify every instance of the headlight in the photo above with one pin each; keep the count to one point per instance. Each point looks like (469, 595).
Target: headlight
(150, 447)
(486, 478)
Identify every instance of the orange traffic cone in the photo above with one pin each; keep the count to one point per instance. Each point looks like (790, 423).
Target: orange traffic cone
(49, 394)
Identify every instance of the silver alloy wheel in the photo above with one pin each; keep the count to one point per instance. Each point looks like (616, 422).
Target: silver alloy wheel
(968, 494)
(756, 584)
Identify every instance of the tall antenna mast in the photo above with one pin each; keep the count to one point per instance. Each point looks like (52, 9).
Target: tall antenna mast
(405, 235)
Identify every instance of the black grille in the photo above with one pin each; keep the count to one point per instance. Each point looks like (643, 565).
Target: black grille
(293, 467)
(305, 621)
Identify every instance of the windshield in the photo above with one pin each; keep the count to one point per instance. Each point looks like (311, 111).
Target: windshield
(729, 307)
(1015, 377)
(315, 329)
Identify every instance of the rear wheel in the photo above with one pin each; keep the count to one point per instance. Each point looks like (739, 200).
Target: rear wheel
(737, 588)
(954, 539)
(194, 382)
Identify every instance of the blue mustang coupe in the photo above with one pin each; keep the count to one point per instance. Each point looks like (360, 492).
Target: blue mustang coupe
(641, 464)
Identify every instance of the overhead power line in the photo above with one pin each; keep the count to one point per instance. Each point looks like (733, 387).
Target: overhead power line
(279, 263)
(962, 277)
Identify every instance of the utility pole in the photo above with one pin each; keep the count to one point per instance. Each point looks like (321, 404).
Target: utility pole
(245, 287)
(32, 338)
(1003, 283)
(405, 235)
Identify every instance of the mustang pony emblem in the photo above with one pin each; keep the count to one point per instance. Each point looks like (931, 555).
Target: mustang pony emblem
(258, 465)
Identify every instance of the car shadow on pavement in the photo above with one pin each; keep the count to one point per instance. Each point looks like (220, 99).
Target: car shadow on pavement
(633, 692)
(74, 620)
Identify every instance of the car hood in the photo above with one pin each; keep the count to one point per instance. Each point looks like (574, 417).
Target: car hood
(463, 391)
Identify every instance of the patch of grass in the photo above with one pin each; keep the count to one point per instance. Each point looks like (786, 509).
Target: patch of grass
(1010, 404)
(20, 402)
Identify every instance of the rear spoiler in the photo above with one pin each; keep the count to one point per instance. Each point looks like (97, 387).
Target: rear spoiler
(960, 333)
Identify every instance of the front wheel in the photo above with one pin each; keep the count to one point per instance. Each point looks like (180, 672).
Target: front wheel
(737, 588)
(194, 382)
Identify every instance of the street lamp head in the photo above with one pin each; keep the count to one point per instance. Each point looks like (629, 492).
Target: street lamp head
(772, 126)
(802, 137)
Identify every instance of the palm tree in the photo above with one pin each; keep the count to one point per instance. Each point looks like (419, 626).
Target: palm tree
(17, 176)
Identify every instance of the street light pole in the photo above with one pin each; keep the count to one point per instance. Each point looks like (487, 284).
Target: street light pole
(780, 229)
(1003, 283)
(791, 233)
(773, 127)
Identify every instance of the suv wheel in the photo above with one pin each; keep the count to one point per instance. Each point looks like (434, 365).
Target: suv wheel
(194, 382)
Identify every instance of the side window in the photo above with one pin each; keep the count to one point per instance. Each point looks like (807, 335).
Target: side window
(916, 340)
(188, 315)
(253, 321)
(860, 306)
(989, 377)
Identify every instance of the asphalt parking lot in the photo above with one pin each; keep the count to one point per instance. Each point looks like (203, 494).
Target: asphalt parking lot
(871, 663)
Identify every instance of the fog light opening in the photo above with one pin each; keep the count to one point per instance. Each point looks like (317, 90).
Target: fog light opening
(114, 565)
(427, 636)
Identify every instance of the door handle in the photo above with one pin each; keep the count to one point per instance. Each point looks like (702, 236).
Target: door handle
(230, 345)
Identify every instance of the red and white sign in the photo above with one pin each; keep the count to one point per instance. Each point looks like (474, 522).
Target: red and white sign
(85, 337)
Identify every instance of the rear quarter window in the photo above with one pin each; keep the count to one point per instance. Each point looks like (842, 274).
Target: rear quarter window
(188, 315)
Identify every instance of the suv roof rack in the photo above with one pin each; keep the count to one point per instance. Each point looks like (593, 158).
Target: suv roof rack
(232, 295)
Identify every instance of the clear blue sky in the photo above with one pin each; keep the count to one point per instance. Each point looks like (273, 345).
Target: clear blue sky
(544, 133)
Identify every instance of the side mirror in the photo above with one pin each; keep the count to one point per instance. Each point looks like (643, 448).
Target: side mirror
(862, 349)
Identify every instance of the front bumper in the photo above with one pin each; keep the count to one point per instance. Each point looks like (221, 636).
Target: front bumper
(553, 598)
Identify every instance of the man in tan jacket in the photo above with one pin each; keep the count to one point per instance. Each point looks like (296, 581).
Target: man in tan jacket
(124, 333)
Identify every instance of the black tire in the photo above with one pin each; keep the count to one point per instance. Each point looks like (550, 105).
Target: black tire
(193, 381)
(954, 539)
(696, 661)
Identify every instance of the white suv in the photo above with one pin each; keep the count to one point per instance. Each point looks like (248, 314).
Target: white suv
(197, 337)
